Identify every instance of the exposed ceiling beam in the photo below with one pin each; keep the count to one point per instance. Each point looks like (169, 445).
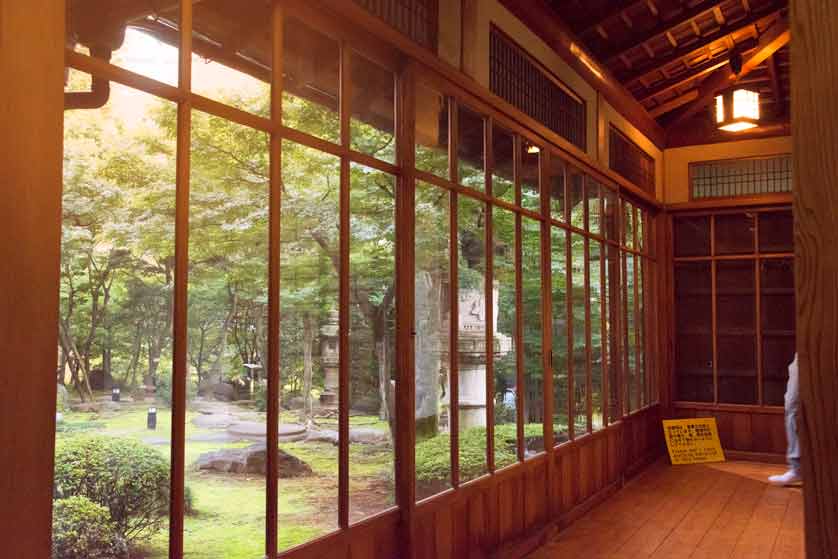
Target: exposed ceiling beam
(696, 71)
(700, 9)
(616, 8)
(673, 104)
(540, 18)
(692, 50)
(776, 86)
(675, 83)
(774, 38)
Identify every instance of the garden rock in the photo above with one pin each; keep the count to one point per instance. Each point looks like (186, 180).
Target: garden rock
(368, 405)
(251, 460)
(85, 407)
(360, 435)
(220, 391)
(63, 398)
(295, 403)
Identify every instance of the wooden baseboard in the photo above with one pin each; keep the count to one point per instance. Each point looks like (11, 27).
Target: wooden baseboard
(764, 457)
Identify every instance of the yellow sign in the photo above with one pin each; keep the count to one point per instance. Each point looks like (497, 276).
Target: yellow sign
(693, 441)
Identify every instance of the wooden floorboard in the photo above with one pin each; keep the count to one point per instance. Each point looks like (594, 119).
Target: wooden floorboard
(690, 512)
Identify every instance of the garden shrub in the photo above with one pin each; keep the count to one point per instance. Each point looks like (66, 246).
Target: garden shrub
(163, 390)
(82, 529)
(433, 454)
(127, 477)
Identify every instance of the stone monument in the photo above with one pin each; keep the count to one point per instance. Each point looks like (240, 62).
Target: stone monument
(330, 360)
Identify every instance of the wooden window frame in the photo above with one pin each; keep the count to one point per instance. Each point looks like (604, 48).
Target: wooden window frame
(757, 257)
(406, 72)
(647, 185)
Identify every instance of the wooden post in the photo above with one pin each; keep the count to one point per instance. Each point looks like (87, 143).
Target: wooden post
(31, 117)
(814, 114)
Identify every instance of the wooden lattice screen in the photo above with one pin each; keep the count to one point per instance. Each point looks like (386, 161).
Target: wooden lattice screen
(516, 78)
(629, 160)
(415, 18)
(741, 177)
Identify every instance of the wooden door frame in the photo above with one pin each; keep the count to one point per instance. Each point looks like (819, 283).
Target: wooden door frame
(31, 122)
(815, 149)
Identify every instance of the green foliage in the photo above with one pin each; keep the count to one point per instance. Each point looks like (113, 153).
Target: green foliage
(433, 455)
(127, 477)
(163, 392)
(82, 529)
(71, 427)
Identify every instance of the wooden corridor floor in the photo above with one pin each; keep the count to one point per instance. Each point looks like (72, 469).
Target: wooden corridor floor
(718, 511)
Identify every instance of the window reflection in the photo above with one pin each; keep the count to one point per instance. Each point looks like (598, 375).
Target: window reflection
(372, 379)
(309, 339)
(532, 336)
(529, 178)
(503, 156)
(311, 81)
(431, 131)
(373, 125)
(470, 152)
(560, 333)
(432, 323)
(505, 350)
(471, 350)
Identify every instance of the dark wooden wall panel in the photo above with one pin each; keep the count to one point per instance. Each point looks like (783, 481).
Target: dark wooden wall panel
(760, 433)
(508, 513)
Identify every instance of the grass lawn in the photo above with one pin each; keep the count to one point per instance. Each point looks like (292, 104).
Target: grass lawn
(229, 521)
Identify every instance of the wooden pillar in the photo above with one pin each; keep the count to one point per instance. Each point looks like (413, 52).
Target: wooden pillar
(814, 77)
(31, 116)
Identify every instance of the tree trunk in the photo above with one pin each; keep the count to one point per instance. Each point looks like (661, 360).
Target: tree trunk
(383, 377)
(62, 368)
(217, 371)
(308, 366)
(131, 371)
(78, 373)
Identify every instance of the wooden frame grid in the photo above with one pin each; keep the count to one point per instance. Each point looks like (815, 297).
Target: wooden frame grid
(713, 258)
(406, 74)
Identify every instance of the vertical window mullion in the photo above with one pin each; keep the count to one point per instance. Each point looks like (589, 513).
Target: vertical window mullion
(180, 324)
(489, 285)
(274, 225)
(405, 304)
(344, 301)
(571, 404)
(453, 339)
(588, 343)
(519, 304)
(454, 298)
(546, 308)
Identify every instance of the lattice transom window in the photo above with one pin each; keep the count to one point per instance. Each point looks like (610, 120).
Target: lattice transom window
(741, 177)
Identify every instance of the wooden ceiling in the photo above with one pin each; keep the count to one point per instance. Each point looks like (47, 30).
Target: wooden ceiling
(669, 53)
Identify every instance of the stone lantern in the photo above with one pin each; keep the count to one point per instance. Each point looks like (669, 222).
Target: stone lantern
(472, 356)
(330, 360)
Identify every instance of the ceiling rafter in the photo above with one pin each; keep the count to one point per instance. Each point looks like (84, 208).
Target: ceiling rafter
(702, 8)
(692, 50)
(681, 81)
(774, 38)
(675, 103)
(617, 8)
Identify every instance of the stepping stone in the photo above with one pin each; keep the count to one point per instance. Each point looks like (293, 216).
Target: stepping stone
(257, 431)
(214, 421)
